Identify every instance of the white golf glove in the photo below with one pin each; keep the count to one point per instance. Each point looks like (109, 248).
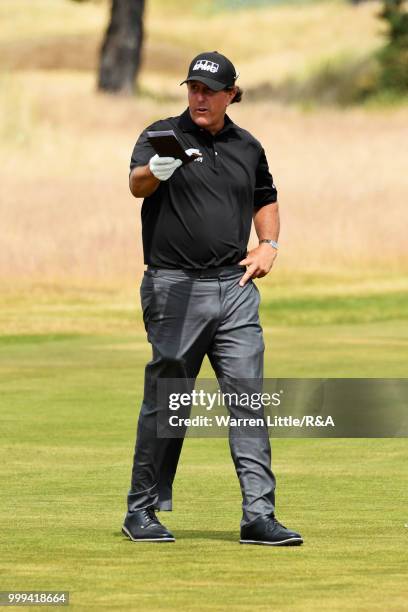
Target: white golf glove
(163, 167)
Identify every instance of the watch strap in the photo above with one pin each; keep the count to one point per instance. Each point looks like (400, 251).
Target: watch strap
(273, 243)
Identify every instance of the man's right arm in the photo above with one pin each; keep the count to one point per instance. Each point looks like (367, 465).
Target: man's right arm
(142, 182)
(147, 178)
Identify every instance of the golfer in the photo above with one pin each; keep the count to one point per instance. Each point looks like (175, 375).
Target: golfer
(197, 294)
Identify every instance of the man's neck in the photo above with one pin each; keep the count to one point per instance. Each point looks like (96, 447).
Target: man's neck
(217, 128)
(212, 129)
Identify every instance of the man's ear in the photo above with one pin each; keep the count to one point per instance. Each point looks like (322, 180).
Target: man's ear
(231, 97)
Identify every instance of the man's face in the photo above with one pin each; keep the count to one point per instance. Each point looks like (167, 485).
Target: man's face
(207, 107)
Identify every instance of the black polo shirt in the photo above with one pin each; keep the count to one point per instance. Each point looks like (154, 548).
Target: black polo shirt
(201, 216)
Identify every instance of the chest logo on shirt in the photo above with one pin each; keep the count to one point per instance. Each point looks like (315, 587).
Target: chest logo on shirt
(198, 152)
(204, 64)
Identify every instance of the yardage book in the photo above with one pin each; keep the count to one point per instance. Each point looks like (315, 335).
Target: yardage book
(166, 144)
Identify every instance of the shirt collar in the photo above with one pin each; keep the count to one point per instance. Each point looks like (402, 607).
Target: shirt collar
(187, 124)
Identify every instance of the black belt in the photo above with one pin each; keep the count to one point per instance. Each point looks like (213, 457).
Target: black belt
(218, 272)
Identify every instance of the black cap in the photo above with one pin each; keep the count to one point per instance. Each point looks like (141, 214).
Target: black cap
(213, 69)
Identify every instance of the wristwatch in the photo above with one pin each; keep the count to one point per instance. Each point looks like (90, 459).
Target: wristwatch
(273, 243)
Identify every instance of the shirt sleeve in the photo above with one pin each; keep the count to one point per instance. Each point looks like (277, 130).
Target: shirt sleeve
(142, 151)
(265, 189)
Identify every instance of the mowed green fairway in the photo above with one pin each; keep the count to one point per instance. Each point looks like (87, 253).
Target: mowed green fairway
(71, 383)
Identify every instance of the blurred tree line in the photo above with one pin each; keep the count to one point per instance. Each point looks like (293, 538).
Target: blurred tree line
(394, 56)
(121, 50)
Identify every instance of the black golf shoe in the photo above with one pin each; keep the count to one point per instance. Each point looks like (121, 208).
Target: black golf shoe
(144, 526)
(268, 531)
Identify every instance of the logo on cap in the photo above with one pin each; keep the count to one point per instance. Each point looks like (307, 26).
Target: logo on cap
(204, 64)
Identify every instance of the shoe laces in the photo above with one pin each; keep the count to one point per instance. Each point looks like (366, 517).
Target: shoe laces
(149, 515)
(273, 522)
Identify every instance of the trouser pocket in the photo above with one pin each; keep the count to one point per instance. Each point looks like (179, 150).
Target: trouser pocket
(146, 295)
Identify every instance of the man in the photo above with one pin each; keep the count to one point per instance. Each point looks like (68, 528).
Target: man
(197, 293)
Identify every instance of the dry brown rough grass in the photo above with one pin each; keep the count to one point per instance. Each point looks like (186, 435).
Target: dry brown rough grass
(66, 212)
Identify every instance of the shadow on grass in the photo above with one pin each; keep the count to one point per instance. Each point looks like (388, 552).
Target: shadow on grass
(195, 534)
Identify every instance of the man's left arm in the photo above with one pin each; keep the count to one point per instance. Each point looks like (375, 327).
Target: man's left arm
(259, 261)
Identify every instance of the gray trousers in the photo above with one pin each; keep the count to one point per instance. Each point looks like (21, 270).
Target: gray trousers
(189, 315)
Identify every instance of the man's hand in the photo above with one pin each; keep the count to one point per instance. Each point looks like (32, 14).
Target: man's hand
(259, 262)
(163, 167)
(144, 180)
